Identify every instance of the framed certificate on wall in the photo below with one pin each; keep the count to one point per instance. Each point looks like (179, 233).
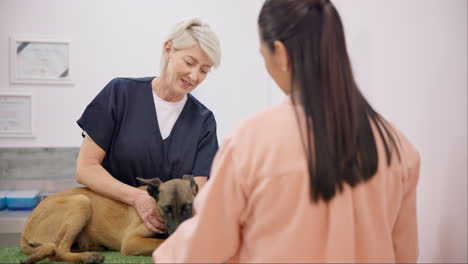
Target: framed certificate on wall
(16, 115)
(39, 61)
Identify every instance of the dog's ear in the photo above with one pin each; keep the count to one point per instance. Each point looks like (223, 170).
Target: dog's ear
(193, 184)
(153, 186)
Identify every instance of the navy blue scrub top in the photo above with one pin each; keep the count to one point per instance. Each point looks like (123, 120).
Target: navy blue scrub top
(122, 121)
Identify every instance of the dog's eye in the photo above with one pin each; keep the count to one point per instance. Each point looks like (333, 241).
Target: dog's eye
(188, 207)
(168, 209)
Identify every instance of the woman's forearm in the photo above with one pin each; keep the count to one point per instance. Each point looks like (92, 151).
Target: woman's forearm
(200, 180)
(99, 180)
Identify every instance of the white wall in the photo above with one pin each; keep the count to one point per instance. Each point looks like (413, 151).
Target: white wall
(410, 59)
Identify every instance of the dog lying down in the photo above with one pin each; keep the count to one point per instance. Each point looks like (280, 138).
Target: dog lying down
(65, 225)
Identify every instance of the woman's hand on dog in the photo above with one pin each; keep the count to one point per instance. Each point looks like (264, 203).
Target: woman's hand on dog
(146, 209)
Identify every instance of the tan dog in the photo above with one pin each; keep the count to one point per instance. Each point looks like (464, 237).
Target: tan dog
(65, 225)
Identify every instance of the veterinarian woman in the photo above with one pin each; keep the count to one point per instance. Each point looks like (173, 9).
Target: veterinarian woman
(321, 177)
(152, 127)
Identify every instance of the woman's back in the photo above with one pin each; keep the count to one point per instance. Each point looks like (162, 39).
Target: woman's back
(372, 222)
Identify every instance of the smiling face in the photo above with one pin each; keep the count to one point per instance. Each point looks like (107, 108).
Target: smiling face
(185, 69)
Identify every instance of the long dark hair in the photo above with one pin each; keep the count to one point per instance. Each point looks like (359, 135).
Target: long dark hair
(339, 142)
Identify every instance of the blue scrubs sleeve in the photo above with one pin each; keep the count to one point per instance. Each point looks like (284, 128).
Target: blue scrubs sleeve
(98, 119)
(207, 148)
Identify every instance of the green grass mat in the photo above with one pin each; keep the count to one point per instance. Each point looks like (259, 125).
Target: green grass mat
(14, 255)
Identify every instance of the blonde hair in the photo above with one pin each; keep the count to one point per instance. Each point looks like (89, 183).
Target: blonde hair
(192, 31)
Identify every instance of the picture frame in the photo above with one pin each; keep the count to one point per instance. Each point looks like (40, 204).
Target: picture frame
(36, 60)
(16, 115)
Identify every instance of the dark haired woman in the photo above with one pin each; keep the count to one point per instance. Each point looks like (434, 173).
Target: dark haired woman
(321, 177)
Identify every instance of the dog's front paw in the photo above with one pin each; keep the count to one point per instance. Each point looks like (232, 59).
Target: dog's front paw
(29, 260)
(94, 259)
